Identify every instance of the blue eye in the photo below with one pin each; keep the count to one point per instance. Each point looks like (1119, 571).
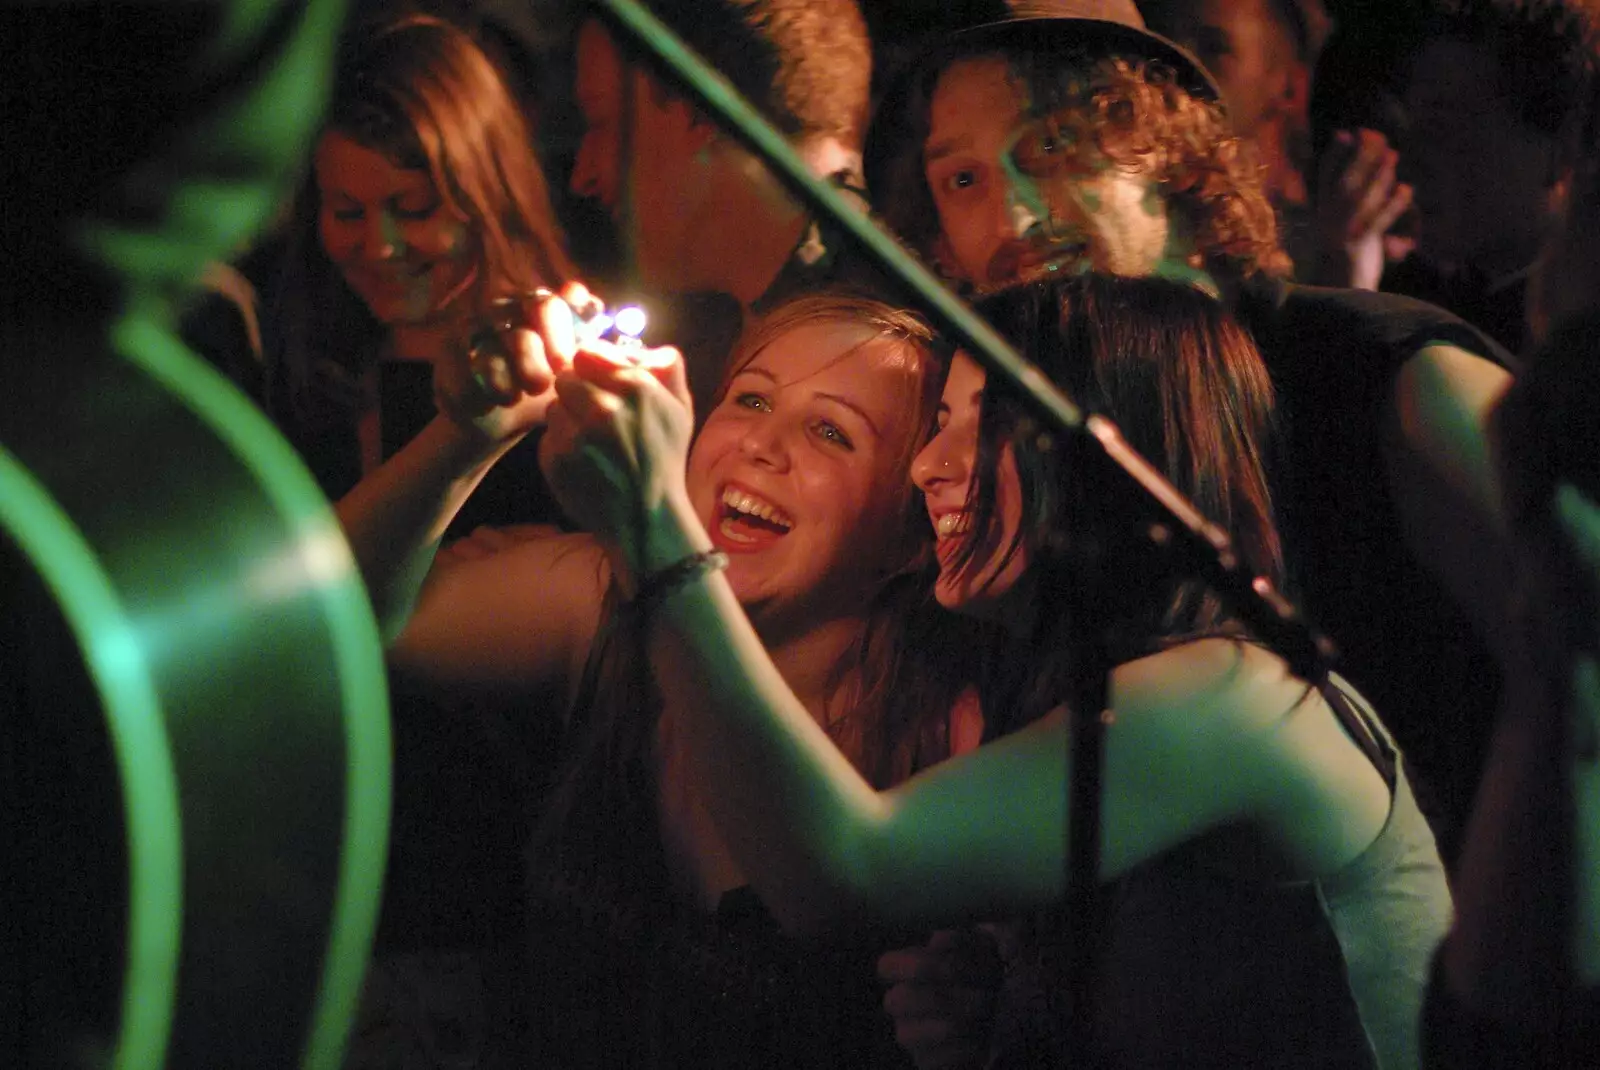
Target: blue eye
(752, 401)
(830, 433)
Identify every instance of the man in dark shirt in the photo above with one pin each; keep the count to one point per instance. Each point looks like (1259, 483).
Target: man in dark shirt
(1498, 96)
(1033, 146)
(1082, 141)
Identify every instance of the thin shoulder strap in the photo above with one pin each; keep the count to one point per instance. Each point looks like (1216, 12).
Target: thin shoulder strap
(1374, 743)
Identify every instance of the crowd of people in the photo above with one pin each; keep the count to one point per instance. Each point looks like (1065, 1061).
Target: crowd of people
(753, 644)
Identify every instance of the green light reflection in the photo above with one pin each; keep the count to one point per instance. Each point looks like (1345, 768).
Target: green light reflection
(70, 568)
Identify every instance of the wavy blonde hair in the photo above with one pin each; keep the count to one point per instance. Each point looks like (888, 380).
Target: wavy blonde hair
(892, 691)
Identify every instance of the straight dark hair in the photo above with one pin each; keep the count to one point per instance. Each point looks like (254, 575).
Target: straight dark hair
(1187, 387)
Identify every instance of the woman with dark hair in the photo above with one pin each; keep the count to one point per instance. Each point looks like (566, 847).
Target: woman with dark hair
(1273, 894)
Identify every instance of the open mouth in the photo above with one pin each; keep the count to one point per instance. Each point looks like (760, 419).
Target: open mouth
(746, 521)
(950, 532)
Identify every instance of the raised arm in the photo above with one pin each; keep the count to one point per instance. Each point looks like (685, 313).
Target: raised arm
(1204, 734)
(489, 396)
(1524, 955)
(517, 620)
(395, 517)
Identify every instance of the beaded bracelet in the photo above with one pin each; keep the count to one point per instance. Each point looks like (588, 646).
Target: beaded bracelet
(655, 586)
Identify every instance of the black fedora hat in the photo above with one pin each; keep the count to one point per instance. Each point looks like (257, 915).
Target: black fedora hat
(1092, 27)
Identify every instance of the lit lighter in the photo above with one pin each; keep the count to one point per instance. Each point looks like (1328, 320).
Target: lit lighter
(621, 328)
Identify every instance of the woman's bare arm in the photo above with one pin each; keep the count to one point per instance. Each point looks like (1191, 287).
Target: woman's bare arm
(518, 621)
(1204, 735)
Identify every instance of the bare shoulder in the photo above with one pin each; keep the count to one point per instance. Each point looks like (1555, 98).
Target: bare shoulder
(1443, 478)
(1224, 678)
(1234, 718)
(1213, 705)
(1443, 384)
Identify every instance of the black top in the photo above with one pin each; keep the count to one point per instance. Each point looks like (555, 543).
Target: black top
(623, 971)
(1333, 356)
(1498, 309)
(1455, 1035)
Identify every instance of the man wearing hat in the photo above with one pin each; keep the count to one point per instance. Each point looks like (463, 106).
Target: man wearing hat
(1078, 140)
(976, 153)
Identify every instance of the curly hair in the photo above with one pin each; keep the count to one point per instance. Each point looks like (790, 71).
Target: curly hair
(1547, 53)
(1136, 115)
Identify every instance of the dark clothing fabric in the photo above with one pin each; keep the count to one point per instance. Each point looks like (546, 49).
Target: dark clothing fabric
(513, 491)
(1202, 968)
(1333, 356)
(623, 975)
(1548, 416)
(322, 427)
(1499, 310)
(623, 971)
(1454, 1035)
(705, 325)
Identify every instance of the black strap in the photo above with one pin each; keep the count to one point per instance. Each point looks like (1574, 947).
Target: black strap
(1374, 744)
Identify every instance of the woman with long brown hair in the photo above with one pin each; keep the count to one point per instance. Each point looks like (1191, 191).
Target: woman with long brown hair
(425, 204)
